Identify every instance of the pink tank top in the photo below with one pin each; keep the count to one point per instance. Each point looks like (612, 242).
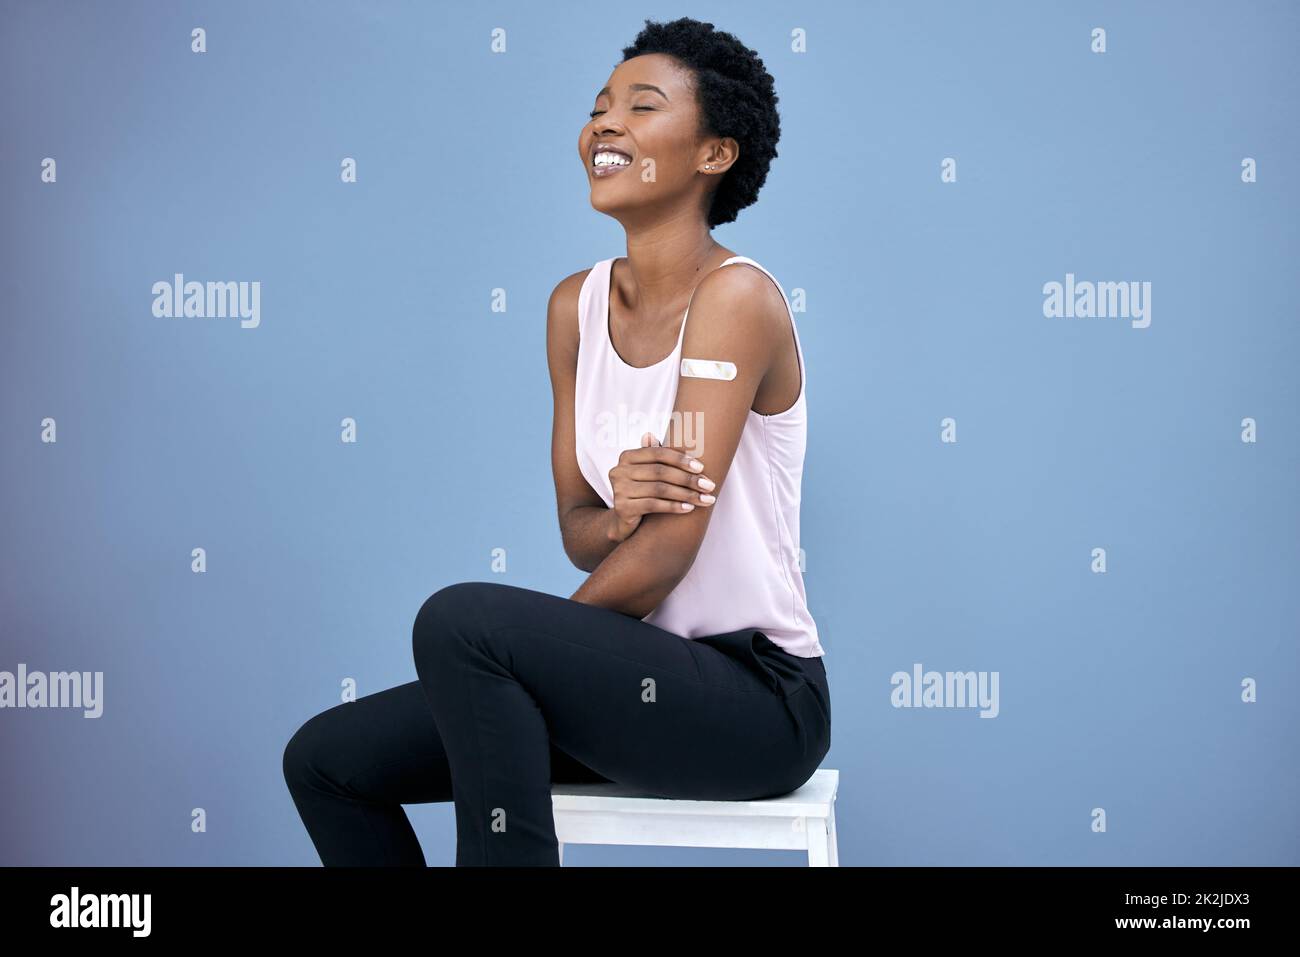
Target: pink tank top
(748, 573)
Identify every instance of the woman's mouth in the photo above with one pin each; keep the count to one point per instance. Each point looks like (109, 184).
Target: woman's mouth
(607, 161)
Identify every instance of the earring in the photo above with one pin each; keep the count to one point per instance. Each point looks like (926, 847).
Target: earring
(707, 166)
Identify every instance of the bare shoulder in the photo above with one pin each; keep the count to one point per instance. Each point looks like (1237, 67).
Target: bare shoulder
(740, 299)
(562, 311)
(563, 334)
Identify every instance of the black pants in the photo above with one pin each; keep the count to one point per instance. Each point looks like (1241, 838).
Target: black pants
(518, 690)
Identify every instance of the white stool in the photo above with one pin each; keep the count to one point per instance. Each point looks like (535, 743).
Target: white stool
(804, 819)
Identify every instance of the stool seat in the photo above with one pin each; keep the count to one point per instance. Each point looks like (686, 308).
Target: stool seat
(609, 813)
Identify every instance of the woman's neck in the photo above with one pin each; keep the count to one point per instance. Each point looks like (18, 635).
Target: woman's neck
(663, 266)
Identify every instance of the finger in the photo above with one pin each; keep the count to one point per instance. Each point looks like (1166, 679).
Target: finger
(661, 453)
(659, 472)
(637, 491)
(645, 506)
(629, 520)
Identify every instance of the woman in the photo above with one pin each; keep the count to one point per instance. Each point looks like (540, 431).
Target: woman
(687, 664)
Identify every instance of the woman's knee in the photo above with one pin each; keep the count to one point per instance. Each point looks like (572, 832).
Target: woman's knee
(450, 614)
(300, 761)
(326, 748)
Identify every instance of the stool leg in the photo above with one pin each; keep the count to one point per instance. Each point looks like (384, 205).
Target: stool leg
(561, 847)
(831, 839)
(818, 845)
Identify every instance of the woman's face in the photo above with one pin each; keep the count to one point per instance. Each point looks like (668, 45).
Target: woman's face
(647, 117)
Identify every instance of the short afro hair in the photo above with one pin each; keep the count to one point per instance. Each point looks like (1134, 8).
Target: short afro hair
(736, 96)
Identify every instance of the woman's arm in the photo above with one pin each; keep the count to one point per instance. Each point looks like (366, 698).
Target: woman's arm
(584, 518)
(738, 316)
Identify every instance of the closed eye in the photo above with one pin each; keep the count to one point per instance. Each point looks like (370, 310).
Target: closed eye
(595, 113)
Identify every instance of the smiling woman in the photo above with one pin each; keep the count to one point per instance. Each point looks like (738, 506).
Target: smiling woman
(686, 664)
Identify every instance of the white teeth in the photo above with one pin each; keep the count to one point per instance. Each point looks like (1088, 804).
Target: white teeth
(610, 159)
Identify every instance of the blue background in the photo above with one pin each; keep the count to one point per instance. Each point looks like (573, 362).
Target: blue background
(1119, 691)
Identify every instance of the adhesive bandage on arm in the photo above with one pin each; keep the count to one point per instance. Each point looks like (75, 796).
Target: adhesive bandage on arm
(708, 369)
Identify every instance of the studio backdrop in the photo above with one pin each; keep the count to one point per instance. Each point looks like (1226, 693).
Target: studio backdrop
(1042, 257)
